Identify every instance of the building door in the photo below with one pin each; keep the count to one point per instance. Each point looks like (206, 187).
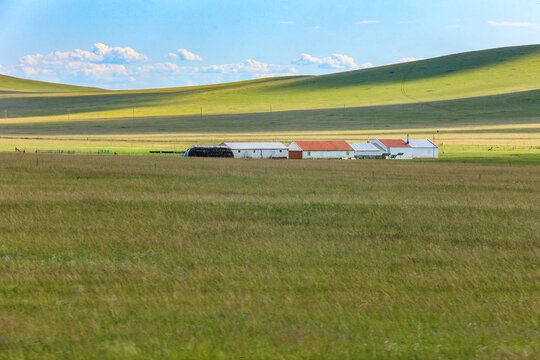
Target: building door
(295, 154)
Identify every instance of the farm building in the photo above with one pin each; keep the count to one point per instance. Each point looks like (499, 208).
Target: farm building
(396, 148)
(423, 149)
(367, 151)
(258, 150)
(320, 150)
(209, 151)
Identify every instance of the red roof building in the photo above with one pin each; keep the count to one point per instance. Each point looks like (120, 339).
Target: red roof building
(324, 145)
(320, 150)
(394, 143)
(395, 148)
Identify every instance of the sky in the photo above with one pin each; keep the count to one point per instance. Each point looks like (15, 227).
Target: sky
(132, 44)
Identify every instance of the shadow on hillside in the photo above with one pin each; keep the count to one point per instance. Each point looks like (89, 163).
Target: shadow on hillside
(60, 104)
(508, 108)
(416, 70)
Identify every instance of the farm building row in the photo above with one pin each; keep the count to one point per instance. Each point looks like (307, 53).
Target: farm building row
(378, 149)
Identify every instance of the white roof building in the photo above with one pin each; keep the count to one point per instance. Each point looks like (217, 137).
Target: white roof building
(367, 151)
(423, 149)
(258, 150)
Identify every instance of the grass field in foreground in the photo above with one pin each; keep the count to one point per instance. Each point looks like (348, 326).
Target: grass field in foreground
(126, 257)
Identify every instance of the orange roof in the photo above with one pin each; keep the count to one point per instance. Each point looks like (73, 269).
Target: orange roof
(394, 143)
(339, 145)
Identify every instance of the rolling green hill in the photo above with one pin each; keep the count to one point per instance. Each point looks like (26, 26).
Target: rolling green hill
(473, 74)
(10, 84)
(481, 98)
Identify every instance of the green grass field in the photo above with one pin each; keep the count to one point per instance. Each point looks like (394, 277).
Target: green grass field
(484, 98)
(127, 257)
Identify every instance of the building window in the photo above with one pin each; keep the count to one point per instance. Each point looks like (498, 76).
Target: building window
(309, 153)
(347, 153)
(238, 150)
(253, 150)
(279, 150)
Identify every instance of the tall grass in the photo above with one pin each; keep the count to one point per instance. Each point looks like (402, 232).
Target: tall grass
(147, 257)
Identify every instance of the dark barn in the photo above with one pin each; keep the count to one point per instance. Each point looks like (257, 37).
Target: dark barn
(209, 151)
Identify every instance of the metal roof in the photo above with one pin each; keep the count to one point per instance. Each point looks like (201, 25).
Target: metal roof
(365, 147)
(255, 145)
(394, 143)
(421, 143)
(338, 145)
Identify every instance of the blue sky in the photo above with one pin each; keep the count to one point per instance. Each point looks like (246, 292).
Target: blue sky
(143, 44)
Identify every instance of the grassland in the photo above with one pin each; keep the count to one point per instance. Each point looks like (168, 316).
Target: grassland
(10, 84)
(128, 257)
(138, 257)
(473, 74)
(485, 98)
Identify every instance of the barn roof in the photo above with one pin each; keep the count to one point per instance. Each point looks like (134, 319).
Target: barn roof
(255, 145)
(421, 143)
(394, 143)
(338, 145)
(365, 147)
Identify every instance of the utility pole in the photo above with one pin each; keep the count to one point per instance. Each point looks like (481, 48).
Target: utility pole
(201, 113)
(69, 113)
(5, 113)
(133, 116)
(434, 144)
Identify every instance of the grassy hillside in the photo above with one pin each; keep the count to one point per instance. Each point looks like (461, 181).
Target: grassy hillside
(464, 75)
(10, 84)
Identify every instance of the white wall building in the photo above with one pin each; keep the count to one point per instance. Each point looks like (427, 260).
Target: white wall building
(367, 151)
(423, 149)
(396, 148)
(258, 150)
(320, 150)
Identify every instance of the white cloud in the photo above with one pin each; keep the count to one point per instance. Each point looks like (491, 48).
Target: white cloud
(306, 59)
(124, 67)
(167, 67)
(103, 71)
(247, 66)
(367, 65)
(334, 61)
(408, 59)
(364, 22)
(514, 24)
(116, 55)
(188, 55)
(102, 62)
(289, 72)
